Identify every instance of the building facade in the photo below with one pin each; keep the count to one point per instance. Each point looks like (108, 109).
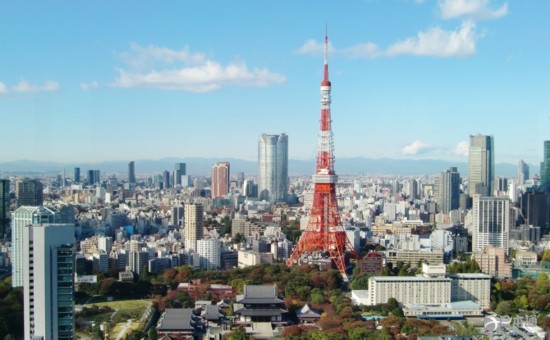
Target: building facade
(48, 281)
(220, 179)
(132, 172)
(481, 165)
(449, 190)
(29, 192)
(22, 217)
(5, 201)
(209, 251)
(492, 219)
(545, 167)
(273, 167)
(193, 225)
(179, 170)
(409, 290)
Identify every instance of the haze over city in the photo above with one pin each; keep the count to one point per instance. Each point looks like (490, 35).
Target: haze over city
(91, 82)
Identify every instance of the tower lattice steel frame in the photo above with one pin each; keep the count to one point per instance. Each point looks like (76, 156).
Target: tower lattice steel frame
(324, 234)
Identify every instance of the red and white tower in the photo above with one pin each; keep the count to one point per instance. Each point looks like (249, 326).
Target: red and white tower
(324, 234)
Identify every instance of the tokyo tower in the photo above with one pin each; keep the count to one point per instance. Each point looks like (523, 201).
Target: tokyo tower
(324, 235)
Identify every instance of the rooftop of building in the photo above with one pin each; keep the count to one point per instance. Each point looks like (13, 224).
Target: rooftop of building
(177, 319)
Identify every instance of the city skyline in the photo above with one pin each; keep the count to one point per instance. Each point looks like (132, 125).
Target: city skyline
(413, 79)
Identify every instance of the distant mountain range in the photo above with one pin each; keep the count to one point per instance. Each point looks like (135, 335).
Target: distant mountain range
(201, 167)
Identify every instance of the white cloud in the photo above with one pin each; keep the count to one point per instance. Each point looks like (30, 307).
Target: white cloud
(461, 149)
(314, 47)
(167, 69)
(87, 86)
(416, 147)
(434, 42)
(25, 86)
(439, 43)
(3, 88)
(477, 9)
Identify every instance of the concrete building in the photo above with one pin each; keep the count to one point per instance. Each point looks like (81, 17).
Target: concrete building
(273, 167)
(29, 192)
(220, 179)
(193, 229)
(138, 261)
(244, 227)
(471, 287)
(177, 216)
(493, 261)
(48, 281)
(492, 220)
(481, 165)
(409, 290)
(414, 257)
(22, 217)
(371, 263)
(209, 251)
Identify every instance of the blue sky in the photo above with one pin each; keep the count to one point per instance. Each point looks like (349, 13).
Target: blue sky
(88, 81)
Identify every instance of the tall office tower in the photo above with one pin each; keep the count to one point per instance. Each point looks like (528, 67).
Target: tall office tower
(220, 179)
(492, 220)
(523, 172)
(48, 281)
(179, 170)
(481, 165)
(501, 186)
(535, 208)
(22, 217)
(250, 189)
(193, 225)
(273, 167)
(324, 236)
(132, 172)
(166, 179)
(93, 177)
(449, 190)
(29, 192)
(5, 201)
(545, 168)
(77, 175)
(177, 215)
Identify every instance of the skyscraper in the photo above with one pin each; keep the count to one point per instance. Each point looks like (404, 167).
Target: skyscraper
(29, 192)
(5, 201)
(523, 172)
(481, 165)
(273, 167)
(220, 179)
(22, 217)
(193, 225)
(166, 179)
(132, 172)
(179, 170)
(545, 168)
(492, 220)
(77, 175)
(48, 281)
(449, 190)
(93, 177)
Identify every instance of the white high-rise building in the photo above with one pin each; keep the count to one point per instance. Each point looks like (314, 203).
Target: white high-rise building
(48, 281)
(193, 225)
(105, 243)
(22, 217)
(492, 218)
(209, 251)
(273, 167)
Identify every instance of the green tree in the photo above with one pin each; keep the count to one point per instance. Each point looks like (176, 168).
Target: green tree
(360, 282)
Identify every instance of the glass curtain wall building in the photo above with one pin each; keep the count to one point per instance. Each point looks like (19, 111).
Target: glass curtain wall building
(273, 167)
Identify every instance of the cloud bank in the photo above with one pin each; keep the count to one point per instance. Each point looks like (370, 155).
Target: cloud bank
(163, 68)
